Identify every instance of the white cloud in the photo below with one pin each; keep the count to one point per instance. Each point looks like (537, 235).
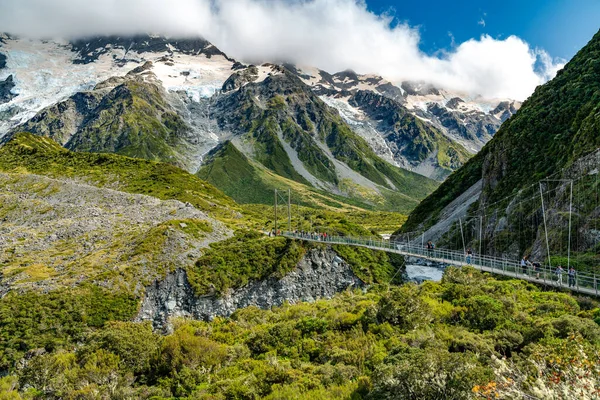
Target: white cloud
(329, 34)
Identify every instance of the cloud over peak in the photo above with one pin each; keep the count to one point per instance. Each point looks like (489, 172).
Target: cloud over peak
(333, 35)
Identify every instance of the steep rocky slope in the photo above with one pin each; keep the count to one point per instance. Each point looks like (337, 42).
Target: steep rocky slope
(466, 124)
(59, 233)
(414, 143)
(279, 122)
(555, 133)
(126, 115)
(321, 273)
(68, 218)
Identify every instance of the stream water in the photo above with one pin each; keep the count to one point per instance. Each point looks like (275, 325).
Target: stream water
(419, 273)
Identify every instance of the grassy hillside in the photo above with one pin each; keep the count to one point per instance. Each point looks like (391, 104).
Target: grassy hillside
(249, 182)
(555, 126)
(27, 153)
(463, 338)
(236, 175)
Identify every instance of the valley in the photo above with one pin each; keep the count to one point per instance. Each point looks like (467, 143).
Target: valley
(143, 256)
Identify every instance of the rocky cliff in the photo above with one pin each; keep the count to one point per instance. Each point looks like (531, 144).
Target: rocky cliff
(321, 273)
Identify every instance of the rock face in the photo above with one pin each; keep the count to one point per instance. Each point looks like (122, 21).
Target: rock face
(414, 143)
(6, 87)
(125, 115)
(320, 274)
(90, 49)
(433, 131)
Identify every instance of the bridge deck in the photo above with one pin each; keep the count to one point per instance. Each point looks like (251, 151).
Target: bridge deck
(584, 283)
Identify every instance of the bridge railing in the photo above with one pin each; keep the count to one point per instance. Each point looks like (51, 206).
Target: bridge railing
(584, 282)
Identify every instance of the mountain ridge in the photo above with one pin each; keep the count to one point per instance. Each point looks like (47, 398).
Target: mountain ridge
(190, 70)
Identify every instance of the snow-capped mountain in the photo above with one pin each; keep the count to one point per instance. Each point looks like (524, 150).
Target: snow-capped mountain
(411, 125)
(468, 120)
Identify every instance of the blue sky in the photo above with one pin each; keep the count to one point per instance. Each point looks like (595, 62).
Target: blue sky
(561, 27)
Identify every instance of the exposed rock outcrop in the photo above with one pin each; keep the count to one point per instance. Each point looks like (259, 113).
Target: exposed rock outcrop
(240, 78)
(6, 87)
(320, 274)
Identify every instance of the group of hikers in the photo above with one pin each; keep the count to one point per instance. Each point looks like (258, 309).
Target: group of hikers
(526, 267)
(525, 264)
(559, 271)
(307, 235)
(312, 235)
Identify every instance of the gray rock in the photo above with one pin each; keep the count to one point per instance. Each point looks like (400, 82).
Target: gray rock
(320, 274)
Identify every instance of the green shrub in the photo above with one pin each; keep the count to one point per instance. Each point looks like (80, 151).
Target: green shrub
(247, 256)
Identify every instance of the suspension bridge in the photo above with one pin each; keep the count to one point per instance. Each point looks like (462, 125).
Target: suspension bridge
(556, 220)
(584, 283)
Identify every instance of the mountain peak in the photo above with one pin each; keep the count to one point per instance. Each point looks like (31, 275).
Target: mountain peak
(90, 49)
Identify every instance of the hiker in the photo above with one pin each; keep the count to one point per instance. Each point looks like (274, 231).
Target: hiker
(536, 268)
(524, 264)
(571, 277)
(469, 255)
(559, 273)
(430, 246)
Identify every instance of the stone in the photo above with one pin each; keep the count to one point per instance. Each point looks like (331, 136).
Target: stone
(320, 274)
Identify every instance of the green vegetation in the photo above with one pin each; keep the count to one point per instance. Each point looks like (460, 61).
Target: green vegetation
(309, 153)
(132, 119)
(372, 266)
(248, 182)
(250, 256)
(56, 320)
(27, 153)
(247, 256)
(554, 127)
(236, 175)
(469, 336)
(348, 221)
(268, 148)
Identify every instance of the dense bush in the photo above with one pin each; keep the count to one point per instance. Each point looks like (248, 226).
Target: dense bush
(462, 338)
(57, 319)
(246, 256)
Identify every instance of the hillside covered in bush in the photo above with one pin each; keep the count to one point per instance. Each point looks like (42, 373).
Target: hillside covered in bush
(469, 336)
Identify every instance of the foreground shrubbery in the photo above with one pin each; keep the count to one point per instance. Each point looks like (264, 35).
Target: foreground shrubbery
(469, 336)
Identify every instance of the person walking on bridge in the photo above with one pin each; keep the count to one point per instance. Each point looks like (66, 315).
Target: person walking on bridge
(469, 255)
(572, 276)
(559, 273)
(430, 246)
(536, 268)
(524, 264)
